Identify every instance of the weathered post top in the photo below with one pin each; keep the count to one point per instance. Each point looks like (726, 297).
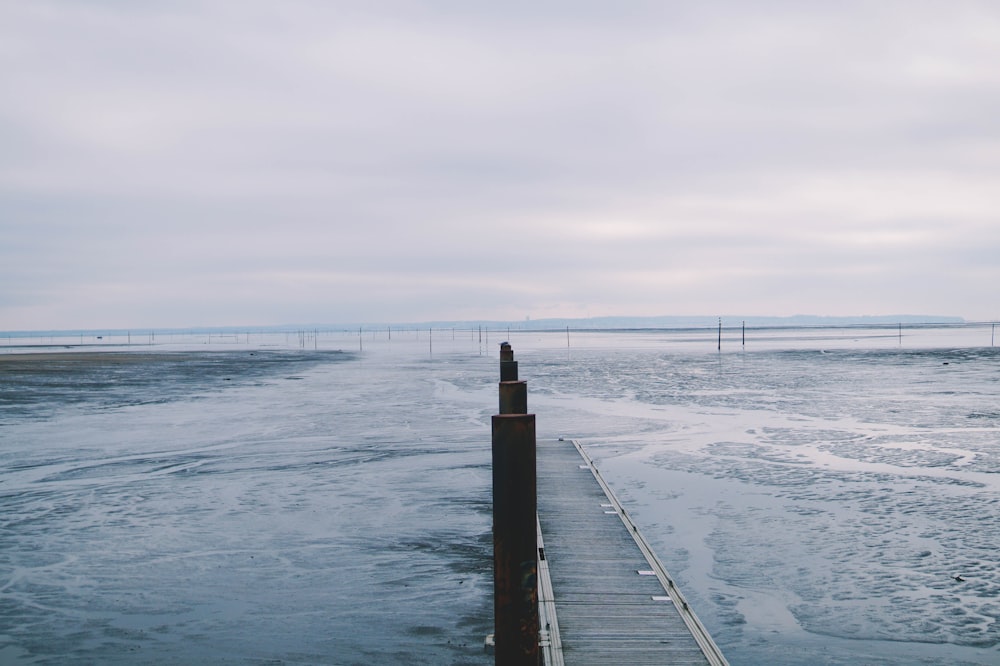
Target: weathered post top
(508, 366)
(513, 393)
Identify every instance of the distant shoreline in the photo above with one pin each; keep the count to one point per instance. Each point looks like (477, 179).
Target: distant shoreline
(680, 322)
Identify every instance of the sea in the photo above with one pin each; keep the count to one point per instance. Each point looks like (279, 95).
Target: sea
(820, 495)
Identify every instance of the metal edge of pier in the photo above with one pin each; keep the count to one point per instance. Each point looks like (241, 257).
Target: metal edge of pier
(549, 640)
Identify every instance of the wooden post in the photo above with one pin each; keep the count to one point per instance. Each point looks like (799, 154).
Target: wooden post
(515, 541)
(515, 538)
(720, 333)
(508, 366)
(513, 397)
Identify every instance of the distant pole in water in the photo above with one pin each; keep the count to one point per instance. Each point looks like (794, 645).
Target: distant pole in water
(567, 337)
(900, 332)
(744, 334)
(390, 332)
(720, 333)
(993, 332)
(430, 340)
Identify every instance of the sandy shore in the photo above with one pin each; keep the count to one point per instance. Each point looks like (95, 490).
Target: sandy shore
(90, 357)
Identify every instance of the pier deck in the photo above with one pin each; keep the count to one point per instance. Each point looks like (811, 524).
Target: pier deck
(607, 599)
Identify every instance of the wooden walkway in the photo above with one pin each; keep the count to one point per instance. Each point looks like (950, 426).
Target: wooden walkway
(604, 597)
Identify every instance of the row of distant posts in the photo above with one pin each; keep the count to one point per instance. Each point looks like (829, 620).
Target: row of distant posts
(515, 538)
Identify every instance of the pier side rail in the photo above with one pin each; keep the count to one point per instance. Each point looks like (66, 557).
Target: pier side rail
(694, 625)
(549, 640)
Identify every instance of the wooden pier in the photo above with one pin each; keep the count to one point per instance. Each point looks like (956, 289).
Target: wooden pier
(604, 597)
(574, 581)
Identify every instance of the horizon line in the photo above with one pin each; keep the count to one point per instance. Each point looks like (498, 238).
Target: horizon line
(604, 322)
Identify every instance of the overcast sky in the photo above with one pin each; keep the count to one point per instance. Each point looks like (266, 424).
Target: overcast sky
(175, 163)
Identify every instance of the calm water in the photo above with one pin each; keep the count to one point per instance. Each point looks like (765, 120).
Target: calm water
(326, 500)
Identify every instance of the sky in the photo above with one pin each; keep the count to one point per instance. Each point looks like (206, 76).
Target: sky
(208, 163)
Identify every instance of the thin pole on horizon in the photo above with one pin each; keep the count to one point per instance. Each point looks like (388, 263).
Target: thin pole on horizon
(390, 332)
(993, 332)
(567, 337)
(900, 332)
(744, 334)
(430, 340)
(720, 334)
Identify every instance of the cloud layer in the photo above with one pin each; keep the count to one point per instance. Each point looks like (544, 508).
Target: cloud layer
(185, 163)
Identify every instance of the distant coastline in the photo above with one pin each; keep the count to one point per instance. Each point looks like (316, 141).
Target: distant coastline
(579, 323)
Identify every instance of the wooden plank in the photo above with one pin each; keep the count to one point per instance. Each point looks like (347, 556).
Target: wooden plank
(612, 600)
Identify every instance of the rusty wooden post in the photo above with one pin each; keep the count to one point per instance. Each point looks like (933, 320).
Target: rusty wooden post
(515, 539)
(513, 397)
(513, 393)
(508, 366)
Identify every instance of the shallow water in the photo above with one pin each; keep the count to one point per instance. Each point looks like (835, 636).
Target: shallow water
(813, 493)
(323, 510)
(814, 504)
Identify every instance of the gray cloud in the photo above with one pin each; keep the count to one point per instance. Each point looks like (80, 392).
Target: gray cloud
(179, 163)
